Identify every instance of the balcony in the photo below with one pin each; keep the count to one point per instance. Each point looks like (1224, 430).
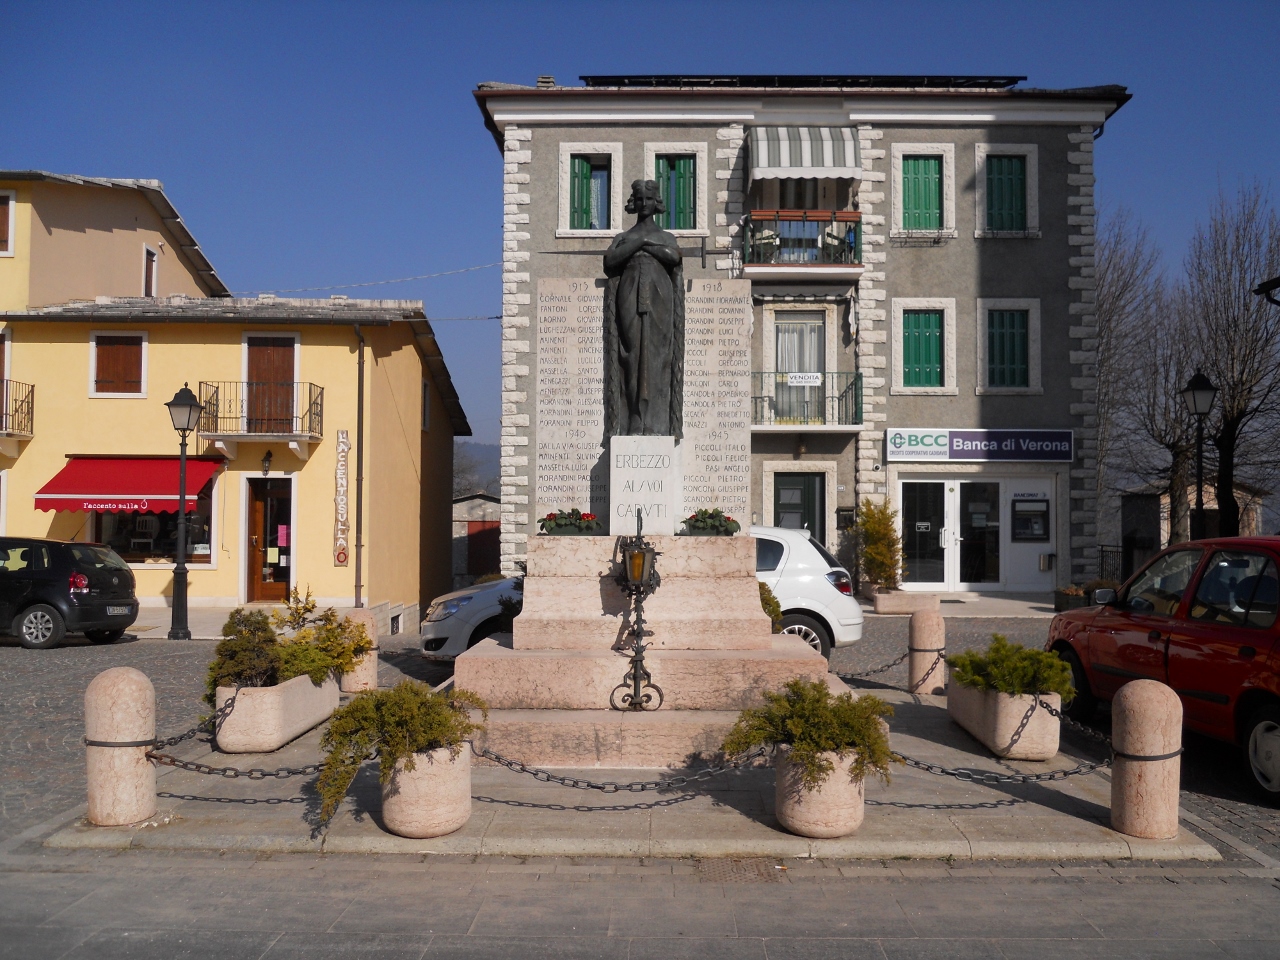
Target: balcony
(17, 415)
(812, 402)
(291, 413)
(802, 245)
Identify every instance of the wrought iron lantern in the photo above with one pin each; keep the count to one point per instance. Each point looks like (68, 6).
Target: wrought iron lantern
(638, 579)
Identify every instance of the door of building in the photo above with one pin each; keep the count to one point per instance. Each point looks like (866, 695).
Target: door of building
(800, 345)
(269, 390)
(951, 534)
(270, 540)
(800, 503)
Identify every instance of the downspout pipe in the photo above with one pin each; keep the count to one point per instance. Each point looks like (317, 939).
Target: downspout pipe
(359, 537)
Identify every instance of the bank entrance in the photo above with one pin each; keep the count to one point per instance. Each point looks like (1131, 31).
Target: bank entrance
(951, 534)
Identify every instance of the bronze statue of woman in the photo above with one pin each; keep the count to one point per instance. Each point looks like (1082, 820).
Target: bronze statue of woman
(644, 325)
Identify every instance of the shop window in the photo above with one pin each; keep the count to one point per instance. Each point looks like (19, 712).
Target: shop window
(119, 364)
(1030, 520)
(153, 537)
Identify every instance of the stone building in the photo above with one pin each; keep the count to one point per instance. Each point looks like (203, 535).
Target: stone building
(918, 255)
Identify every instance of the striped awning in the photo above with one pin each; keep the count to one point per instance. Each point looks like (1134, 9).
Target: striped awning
(786, 153)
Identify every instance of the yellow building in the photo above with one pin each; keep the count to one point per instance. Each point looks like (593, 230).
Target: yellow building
(324, 455)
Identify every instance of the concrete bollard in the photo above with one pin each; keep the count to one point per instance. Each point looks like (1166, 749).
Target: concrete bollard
(1146, 734)
(120, 709)
(928, 641)
(365, 674)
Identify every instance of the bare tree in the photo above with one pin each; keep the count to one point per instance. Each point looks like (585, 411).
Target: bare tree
(466, 472)
(1237, 335)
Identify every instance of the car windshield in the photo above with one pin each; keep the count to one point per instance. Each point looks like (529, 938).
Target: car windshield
(831, 561)
(97, 557)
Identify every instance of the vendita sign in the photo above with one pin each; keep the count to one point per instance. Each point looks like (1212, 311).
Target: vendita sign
(957, 446)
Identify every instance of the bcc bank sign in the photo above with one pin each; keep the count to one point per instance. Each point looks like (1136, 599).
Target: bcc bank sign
(914, 444)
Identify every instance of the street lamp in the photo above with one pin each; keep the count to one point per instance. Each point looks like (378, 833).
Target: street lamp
(184, 410)
(1198, 395)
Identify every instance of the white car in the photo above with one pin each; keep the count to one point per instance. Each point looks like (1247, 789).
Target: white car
(815, 592)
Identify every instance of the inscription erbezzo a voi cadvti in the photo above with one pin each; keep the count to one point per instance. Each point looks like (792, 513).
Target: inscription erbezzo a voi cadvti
(570, 466)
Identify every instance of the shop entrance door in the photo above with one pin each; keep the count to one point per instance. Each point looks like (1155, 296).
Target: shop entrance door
(951, 534)
(270, 540)
(800, 503)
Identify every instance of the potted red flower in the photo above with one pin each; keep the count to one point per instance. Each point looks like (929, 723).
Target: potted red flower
(710, 523)
(569, 523)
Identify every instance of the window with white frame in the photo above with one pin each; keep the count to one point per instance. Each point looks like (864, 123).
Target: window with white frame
(923, 190)
(8, 215)
(1006, 190)
(591, 200)
(118, 364)
(1008, 343)
(924, 346)
(680, 170)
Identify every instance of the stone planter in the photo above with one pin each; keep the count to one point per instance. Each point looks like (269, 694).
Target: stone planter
(904, 602)
(1067, 601)
(364, 676)
(432, 799)
(704, 533)
(570, 532)
(834, 809)
(992, 717)
(266, 718)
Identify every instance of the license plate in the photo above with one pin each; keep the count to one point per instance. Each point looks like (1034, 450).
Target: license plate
(118, 611)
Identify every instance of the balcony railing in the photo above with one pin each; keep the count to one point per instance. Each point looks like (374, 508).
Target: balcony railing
(235, 409)
(806, 399)
(800, 237)
(17, 409)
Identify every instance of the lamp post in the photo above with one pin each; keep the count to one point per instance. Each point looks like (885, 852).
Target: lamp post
(1198, 395)
(638, 579)
(184, 411)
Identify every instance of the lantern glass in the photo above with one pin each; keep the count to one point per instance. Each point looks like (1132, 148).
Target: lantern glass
(184, 410)
(1199, 394)
(635, 566)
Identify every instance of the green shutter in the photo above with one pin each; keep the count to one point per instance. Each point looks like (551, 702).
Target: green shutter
(1007, 350)
(922, 348)
(579, 193)
(922, 193)
(676, 176)
(1006, 193)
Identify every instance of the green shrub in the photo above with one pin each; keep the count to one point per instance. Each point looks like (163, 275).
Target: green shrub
(769, 603)
(394, 725)
(1014, 669)
(714, 521)
(880, 547)
(811, 721)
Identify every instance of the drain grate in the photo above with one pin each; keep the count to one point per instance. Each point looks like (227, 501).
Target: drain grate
(743, 870)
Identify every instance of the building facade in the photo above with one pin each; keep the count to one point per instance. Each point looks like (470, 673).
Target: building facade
(921, 266)
(323, 457)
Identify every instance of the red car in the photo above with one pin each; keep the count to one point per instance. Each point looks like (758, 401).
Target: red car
(1200, 617)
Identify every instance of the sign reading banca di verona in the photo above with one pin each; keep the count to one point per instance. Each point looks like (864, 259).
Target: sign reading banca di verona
(957, 446)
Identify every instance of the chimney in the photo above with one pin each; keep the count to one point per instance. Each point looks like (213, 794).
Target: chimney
(546, 81)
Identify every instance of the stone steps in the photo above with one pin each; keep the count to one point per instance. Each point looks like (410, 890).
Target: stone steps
(583, 679)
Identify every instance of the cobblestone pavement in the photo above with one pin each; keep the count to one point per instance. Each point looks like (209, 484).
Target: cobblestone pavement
(42, 691)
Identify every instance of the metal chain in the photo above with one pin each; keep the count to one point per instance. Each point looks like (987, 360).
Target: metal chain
(208, 725)
(232, 773)
(980, 776)
(608, 786)
(871, 673)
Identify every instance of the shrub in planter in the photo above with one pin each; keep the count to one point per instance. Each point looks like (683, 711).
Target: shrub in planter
(879, 546)
(817, 732)
(710, 523)
(264, 656)
(569, 523)
(421, 740)
(769, 603)
(1069, 598)
(990, 692)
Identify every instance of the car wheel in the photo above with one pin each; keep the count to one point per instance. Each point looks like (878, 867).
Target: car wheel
(39, 627)
(104, 636)
(488, 628)
(1085, 704)
(809, 630)
(1262, 752)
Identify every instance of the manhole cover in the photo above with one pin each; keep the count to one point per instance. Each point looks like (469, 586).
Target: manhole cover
(746, 870)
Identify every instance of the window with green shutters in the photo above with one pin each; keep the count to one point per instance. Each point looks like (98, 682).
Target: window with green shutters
(588, 193)
(677, 187)
(1006, 193)
(922, 193)
(1007, 350)
(922, 348)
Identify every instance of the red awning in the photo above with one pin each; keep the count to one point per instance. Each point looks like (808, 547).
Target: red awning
(144, 484)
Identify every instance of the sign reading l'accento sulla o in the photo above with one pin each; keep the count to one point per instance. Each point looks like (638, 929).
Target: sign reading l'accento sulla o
(942, 445)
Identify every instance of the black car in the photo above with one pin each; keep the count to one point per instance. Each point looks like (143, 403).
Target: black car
(48, 587)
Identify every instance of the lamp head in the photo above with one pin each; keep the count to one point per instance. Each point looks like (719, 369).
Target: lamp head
(1198, 394)
(184, 410)
(266, 463)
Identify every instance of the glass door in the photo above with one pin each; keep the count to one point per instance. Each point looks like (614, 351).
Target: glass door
(800, 503)
(800, 342)
(924, 535)
(979, 528)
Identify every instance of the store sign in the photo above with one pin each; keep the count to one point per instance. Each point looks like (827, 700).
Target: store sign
(341, 524)
(804, 379)
(914, 444)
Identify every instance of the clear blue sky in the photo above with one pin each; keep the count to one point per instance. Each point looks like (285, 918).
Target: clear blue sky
(316, 144)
